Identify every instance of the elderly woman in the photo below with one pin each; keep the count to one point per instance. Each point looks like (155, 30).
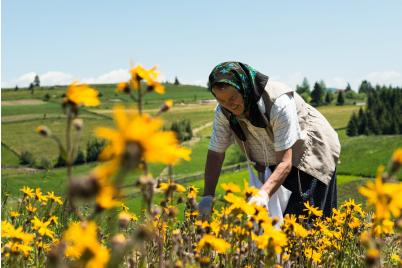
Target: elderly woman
(275, 128)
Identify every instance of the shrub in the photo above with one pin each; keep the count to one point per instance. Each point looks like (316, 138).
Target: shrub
(183, 130)
(45, 164)
(61, 162)
(46, 97)
(94, 147)
(80, 159)
(27, 158)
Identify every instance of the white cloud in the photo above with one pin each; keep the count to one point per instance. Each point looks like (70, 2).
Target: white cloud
(384, 78)
(52, 78)
(114, 76)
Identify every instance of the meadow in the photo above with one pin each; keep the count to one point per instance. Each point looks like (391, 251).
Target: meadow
(130, 209)
(22, 112)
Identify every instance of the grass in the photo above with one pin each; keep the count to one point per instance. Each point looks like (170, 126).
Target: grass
(338, 116)
(44, 108)
(29, 140)
(362, 155)
(9, 157)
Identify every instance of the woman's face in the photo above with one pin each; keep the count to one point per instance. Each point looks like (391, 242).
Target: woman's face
(230, 99)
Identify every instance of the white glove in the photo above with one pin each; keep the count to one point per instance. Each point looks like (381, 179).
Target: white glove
(260, 199)
(205, 207)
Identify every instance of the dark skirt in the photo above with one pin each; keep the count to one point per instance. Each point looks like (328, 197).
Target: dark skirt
(310, 189)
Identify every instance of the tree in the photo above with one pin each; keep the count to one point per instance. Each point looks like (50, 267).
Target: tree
(340, 100)
(329, 97)
(352, 128)
(176, 81)
(323, 85)
(348, 88)
(31, 88)
(304, 88)
(16, 88)
(317, 95)
(363, 122)
(365, 87)
(36, 81)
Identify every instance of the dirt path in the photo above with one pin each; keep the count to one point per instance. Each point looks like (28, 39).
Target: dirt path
(194, 140)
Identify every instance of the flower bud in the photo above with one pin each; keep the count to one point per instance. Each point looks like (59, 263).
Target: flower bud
(44, 131)
(84, 187)
(118, 241)
(78, 124)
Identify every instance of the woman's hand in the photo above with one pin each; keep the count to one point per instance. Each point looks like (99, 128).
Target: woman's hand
(260, 199)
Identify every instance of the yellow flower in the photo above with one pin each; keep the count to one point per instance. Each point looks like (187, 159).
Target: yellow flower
(396, 259)
(17, 247)
(373, 253)
(81, 95)
(385, 197)
(217, 244)
(169, 103)
(383, 227)
(81, 237)
(354, 223)
(129, 216)
(123, 87)
(8, 231)
(42, 245)
(53, 197)
(54, 219)
(27, 191)
(39, 196)
(290, 225)
(271, 237)
(30, 208)
(312, 210)
(14, 214)
(171, 186)
(230, 187)
(43, 131)
(107, 197)
(314, 255)
(156, 86)
(249, 191)
(154, 146)
(124, 207)
(192, 192)
(42, 227)
(397, 156)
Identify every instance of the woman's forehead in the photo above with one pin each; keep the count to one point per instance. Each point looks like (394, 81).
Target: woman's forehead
(226, 91)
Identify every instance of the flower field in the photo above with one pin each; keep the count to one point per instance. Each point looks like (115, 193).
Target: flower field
(92, 227)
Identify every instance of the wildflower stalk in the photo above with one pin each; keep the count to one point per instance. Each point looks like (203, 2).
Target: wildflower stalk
(69, 162)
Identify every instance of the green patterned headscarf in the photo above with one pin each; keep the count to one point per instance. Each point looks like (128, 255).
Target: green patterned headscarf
(250, 84)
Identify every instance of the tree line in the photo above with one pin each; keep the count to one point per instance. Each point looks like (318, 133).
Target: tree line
(320, 95)
(383, 113)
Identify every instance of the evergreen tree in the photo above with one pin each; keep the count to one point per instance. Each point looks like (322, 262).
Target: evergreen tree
(16, 88)
(322, 85)
(352, 127)
(363, 123)
(36, 81)
(317, 95)
(365, 87)
(304, 88)
(329, 97)
(340, 100)
(373, 124)
(348, 88)
(176, 81)
(31, 88)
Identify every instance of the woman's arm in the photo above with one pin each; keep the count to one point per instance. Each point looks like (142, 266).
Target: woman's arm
(213, 168)
(282, 170)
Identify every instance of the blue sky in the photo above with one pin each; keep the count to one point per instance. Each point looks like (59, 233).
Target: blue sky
(96, 41)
